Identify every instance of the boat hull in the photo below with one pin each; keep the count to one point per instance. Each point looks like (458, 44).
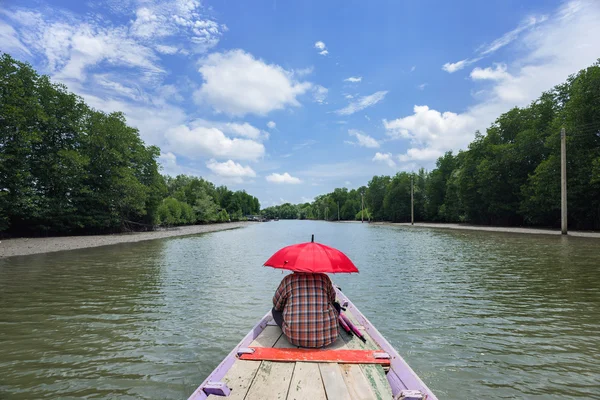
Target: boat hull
(400, 376)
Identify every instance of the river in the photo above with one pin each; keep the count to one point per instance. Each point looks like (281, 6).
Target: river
(477, 315)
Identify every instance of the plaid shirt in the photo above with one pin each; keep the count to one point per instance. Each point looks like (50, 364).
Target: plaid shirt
(309, 318)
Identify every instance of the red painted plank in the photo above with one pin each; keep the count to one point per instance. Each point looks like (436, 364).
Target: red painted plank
(315, 355)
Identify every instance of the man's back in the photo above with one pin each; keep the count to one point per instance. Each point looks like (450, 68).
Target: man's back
(309, 318)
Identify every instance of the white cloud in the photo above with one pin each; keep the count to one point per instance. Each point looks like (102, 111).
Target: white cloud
(170, 166)
(72, 46)
(565, 43)
(232, 128)
(422, 86)
(362, 139)
(10, 41)
(180, 20)
(412, 69)
(168, 161)
(202, 141)
(509, 37)
(348, 96)
(282, 178)
(237, 84)
(320, 94)
(271, 124)
(116, 88)
(362, 103)
(420, 155)
(453, 67)
(353, 79)
(166, 49)
(497, 73)
(244, 129)
(303, 71)
(385, 158)
(497, 44)
(320, 46)
(433, 129)
(230, 169)
(169, 92)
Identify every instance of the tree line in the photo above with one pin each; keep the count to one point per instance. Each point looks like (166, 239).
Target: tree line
(67, 168)
(509, 176)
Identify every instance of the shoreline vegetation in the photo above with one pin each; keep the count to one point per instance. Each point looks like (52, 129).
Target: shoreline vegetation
(30, 246)
(481, 228)
(509, 176)
(67, 169)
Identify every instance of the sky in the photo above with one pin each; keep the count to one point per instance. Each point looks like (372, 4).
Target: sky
(289, 100)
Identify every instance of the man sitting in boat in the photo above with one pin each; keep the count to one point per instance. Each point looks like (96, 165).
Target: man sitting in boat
(303, 307)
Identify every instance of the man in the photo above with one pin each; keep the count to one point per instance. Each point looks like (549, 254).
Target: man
(303, 306)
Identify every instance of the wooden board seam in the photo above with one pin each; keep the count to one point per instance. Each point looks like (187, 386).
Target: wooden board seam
(290, 384)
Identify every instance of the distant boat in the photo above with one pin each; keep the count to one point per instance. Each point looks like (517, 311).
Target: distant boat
(265, 362)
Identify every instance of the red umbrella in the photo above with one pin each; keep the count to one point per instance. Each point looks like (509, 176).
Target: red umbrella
(311, 257)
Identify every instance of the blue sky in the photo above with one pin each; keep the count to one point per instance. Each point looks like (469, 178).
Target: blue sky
(289, 100)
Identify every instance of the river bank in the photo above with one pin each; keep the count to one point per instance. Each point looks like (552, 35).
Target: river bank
(531, 231)
(28, 246)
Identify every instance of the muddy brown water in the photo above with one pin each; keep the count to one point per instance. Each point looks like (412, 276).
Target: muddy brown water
(476, 314)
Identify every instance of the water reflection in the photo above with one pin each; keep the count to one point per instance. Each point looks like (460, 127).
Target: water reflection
(498, 315)
(73, 322)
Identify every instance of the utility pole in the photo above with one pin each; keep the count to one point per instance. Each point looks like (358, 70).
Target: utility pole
(412, 202)
(362, 207)
(563, 181)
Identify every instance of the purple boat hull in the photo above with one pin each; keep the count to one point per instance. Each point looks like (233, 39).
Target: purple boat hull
(400, 376)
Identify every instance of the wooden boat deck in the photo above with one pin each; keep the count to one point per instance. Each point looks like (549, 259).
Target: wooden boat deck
(264, 380)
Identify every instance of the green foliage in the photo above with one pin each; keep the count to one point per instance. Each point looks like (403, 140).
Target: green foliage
(363, 215)
(66, 168)
(223, 216)
(375, 196)
(509, 176)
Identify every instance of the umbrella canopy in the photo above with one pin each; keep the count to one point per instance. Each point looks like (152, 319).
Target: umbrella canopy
(311, 257)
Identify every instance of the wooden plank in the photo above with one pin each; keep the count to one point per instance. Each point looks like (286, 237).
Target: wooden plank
(272, 381)
(333, 381)
(307, 383)
(374, 374)
(356, 382)
(284, 343)
(241, 375)
(268, 337)
(238, 378)
(342, 356)
(339, 344)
